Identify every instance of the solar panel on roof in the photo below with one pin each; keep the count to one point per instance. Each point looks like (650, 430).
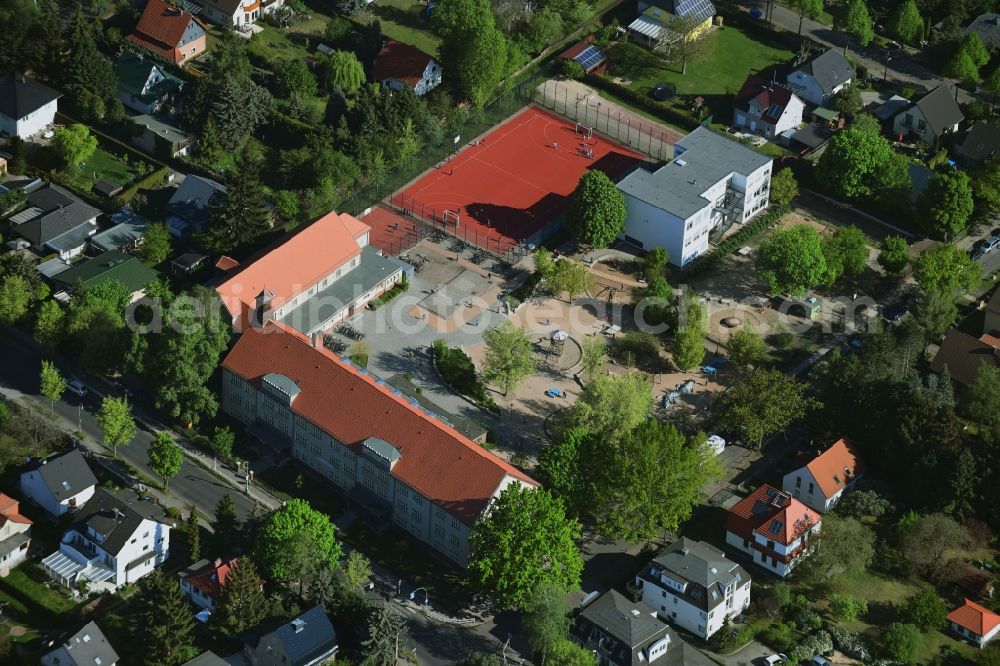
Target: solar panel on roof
(701, 9)
(589, 58)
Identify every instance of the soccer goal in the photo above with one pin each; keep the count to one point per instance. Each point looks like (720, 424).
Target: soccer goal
(451, 217)
(586, 131)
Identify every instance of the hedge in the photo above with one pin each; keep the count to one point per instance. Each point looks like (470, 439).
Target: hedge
(711, 259)
(660, 109)
(459, 372)
(400, 288)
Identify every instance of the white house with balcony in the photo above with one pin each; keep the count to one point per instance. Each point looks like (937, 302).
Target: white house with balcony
(824, 479)
(61, 483)
(712, 183)
(692, 585)
(773, 528)
(236, 13)
(117, 539)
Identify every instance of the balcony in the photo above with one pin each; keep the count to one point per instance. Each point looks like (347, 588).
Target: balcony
(634, 591)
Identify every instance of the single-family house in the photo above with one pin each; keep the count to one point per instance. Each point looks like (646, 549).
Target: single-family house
(159, 138)
(773, 528)
(693, 585)
(981, 143)
(86, 647)
(367, 439)
(144, 86)
(15, 534)
(818, 80)
(400, 65)
(61, 483)
(962, 354)
(823, 480)
(987, 26)
(193, 203)
(629, 633)
(56, 221)
(117, 538)
(125, 234)
(766, 108)
(26, 106)
(655, 16)
(236, 13)
(208, 658)
(712, 182)
(169, 32)
(201, 583)
(930, 117)
(975, 623)
(113, 265)
(325, 273)
(307, 640)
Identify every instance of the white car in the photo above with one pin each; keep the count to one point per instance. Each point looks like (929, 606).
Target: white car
(773, 659)
(76, 387)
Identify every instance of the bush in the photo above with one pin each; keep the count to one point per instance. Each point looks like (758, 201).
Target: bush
(818, 643)
(901, 642)
(571, 69)
(638, 346)
(852, 645)
(847, 609)
(925, 609)
(730, 639)
(780, 636)
(400, 288)
(459, 372)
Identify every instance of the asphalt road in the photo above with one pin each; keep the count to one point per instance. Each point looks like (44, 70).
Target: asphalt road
(19, 369)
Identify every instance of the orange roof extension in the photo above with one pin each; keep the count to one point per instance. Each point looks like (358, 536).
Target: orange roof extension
(161, 28)
(10, 510)
(295, 264)
(211, 577)
(975, 618)
(400, 61)
(836, 467)
(436, 460)
(773, 514)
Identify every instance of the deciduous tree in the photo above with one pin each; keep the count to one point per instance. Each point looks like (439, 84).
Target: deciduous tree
(156, 244)
(784, 187)
(857, 165)
(746, 347)
(595, 355)
(763, 402)
(846, 548)
(15, 297)
(901, 642)
(906, 24)
(523, 542)
(546, 619)
(559, 467)
(357, 571)
(855, 20)
(982, 404)
(568, 653)
(925, 609)
(346, 71)
(895, 254)
(116, 423)
(597, 210)
(946, 204)
(74, 144)
(689, 341)
(792, 260)
(294, 78)
(927, 541)
(508, 358)
(52, 383)
(295, 518)
(610, 406)
(845, 252)
(568, 276)
(806, 9)
(165, 457)
(947, 270)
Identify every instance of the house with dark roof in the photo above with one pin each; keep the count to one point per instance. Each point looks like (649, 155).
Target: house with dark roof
(158, 138)
(144, 86)
(976, 624)
(168, 32)
(56, 221)
(655, 16)
(823, 480)
(987, 26)
(981, 143)
(116, 539)
(126, 232)
(236, 13)
(371, 442)
(766, 108)
(323, 274)
(773, 528)
(26, 106)
(86, 647)
(962, 354)
(61, 483)
(192, 204)
(207, 659)
(15, 534)
(307, 640)
(693, 585)
(201, 583)
(930, 117)
(629, 633)
(400, 65)
(114, 265)
(818, 80)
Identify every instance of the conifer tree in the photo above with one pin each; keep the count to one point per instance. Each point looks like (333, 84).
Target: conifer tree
(168, 622)
(241, 605)
(193, 535)
(226, 526)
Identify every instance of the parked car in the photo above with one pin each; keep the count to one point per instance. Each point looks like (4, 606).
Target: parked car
(991, 244)
(77, 387)
(895, 312)
(773, 659)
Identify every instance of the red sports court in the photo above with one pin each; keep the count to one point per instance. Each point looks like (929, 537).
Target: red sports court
(508, 186)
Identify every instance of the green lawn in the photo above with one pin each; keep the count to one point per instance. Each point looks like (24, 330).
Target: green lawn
(30, 600)
(103, 165)
(728, 58)
(403, 21)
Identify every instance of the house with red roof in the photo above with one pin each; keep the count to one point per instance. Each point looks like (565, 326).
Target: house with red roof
(322, 275)
(237, 13)
(773, 528)
(974, 623)
(823, 480)
(15, 534)
(381, 449)
(766, 108)
(400, 65)
(169, 32)
(201, 583)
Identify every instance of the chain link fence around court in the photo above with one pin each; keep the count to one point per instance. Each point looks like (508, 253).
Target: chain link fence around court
(608, 119)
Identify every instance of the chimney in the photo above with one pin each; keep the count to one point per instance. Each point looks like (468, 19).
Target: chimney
(263, 307)
(317, 339)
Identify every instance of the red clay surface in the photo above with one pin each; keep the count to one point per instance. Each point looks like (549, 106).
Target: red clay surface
(516, 181)
(391, 232)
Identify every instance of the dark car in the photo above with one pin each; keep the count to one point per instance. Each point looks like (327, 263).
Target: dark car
(664, 92)
(895, 312)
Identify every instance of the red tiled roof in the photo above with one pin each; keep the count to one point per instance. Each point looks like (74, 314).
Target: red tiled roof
(296, 264)
(161, 28)
(400, 61)
(211, 577)
(767, 95)
(975, 618)
(226, 263)
(10, 510)
(836, 467)
(436, 460)
(773, 514)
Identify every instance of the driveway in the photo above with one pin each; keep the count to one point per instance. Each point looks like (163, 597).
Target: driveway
(743, 657)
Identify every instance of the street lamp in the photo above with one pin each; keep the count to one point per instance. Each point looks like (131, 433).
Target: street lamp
(889, 57)
(414, 594)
